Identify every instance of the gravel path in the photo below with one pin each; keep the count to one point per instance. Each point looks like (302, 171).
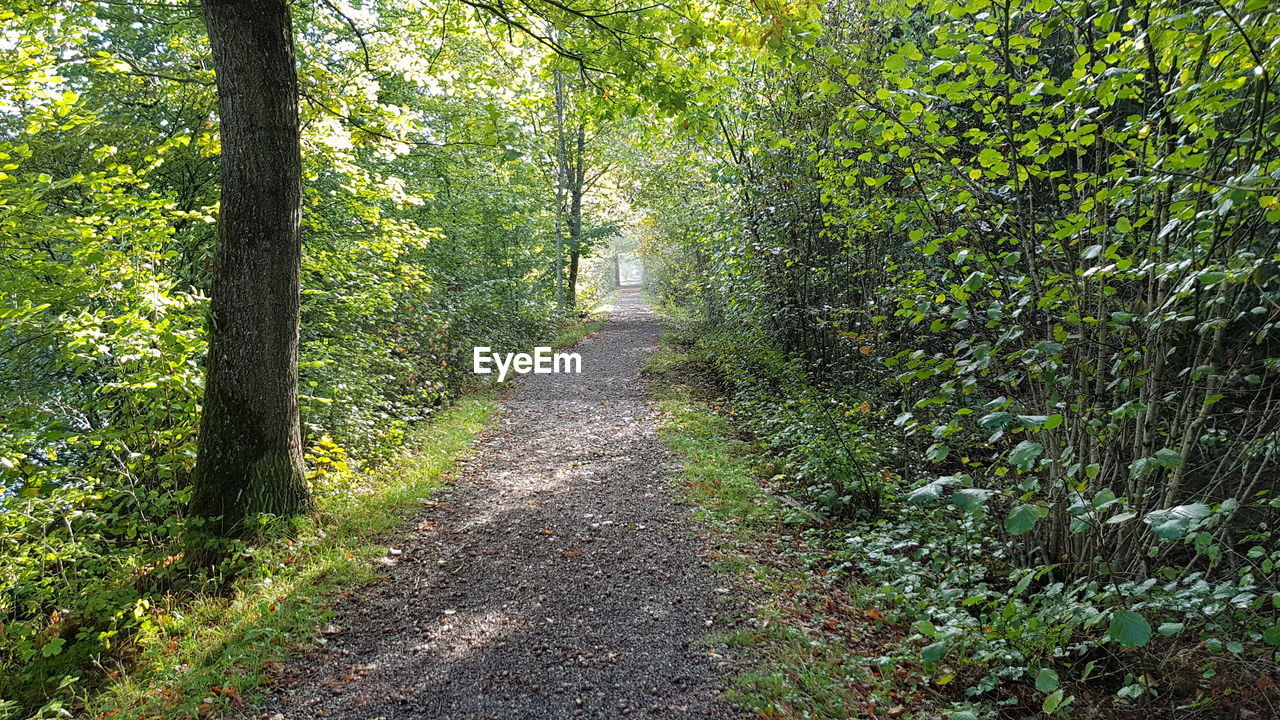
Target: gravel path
(558, 578)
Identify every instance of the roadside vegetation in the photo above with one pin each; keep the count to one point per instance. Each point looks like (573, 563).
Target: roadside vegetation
(841, 616)
(988, 292)
(993, 285)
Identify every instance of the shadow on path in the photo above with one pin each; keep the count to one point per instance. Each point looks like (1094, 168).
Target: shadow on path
(557, 579)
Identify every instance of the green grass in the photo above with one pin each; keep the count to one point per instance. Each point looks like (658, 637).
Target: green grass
(214, 653)
(806, 641)
(222, 647)
(576, 329)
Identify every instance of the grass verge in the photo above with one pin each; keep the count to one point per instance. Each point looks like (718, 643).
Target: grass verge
(815, 651)
(578, 329)
(211, 655)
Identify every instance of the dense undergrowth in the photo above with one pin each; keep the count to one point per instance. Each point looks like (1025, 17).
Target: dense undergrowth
(996, 283)
(144, 636)
(919, 610)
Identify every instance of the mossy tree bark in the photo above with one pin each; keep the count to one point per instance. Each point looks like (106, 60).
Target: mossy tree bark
(250, 450)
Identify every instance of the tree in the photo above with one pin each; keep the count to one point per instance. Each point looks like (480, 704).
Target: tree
(249, 459)
(572, 184)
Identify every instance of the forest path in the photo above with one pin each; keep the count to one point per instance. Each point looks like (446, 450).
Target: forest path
(557, 578)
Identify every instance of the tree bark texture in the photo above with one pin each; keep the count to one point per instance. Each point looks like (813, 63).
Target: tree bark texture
(250, 449)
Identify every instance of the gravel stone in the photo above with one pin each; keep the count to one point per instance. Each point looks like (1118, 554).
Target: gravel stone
(557, 578)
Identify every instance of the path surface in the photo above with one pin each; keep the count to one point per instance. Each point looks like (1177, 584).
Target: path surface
(557, 579)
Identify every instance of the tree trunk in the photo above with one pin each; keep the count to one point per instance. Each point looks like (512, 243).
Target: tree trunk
(572, 297)
(562, 182)
(249, 459)
(576, 189)
(575, 244)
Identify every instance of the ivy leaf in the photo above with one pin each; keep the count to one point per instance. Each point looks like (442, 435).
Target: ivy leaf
(53, 647)
(1168, 458)
(1129, 629)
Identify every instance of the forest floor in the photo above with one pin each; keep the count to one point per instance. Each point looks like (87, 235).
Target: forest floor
(559, 577)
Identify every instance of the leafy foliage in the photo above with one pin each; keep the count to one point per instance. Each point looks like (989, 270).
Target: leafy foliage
(427, 220)
(1024, 254)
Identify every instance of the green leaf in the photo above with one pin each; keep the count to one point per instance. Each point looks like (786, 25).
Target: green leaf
(1022, 518)
(995, 420)
(1271, 635)
(971, 499)
(933, 490)
(926, 628)
(1168, 458)
(1047, 680)
(1052, 702)
(1025, 453)
(1129, 629)
(1173, 523)
(1170, 628)
(1212, 277)
(934, 652)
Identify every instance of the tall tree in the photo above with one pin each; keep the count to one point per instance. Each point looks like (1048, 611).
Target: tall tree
(572, 184)
(250, 449)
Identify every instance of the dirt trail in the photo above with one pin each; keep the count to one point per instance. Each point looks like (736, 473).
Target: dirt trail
(557, 579)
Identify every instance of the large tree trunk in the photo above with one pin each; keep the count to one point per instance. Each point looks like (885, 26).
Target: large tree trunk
(250, 449)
